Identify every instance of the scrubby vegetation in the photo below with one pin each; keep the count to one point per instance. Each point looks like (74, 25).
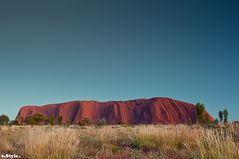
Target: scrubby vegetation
(59, 120)
(223, 116)
(84, 122)
(200, 108)
(4, 119)
(121, 142)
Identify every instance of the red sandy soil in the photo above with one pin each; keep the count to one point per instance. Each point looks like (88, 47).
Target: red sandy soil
(139, 111)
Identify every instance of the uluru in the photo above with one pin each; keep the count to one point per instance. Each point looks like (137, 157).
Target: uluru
(139, 111)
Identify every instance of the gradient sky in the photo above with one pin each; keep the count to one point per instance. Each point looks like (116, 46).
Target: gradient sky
(117, 50)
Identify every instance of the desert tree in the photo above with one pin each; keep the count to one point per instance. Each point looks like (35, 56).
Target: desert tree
(225, 115)
(200, 108)
(4, 119)
(59, 120)
(51, 120)
(220, 115)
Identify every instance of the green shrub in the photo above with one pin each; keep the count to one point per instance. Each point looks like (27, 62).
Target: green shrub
(30, 121)
(14, 122)
(4, 119)
(216, 121)
(52, 120)
(38, 118)
(59, 120)
(84, 122)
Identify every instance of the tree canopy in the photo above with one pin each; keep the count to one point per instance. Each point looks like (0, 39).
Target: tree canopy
(4, 119)
(200, 113)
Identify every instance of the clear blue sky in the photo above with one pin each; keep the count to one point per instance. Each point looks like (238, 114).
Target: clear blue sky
(118, 50)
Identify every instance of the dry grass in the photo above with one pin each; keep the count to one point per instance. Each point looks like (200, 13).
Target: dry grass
(112, 142)
(51, 143)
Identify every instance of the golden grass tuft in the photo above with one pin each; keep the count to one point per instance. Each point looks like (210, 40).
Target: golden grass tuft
(51, 143)
(143, 141)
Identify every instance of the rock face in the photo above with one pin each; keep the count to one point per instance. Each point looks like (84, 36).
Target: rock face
(139, 111)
